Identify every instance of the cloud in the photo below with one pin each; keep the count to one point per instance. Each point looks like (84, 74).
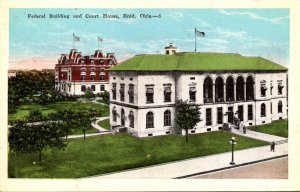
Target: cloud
(276, 20)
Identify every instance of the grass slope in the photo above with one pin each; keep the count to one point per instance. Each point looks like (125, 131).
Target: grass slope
(23, 110)
(279, 128)
(104, 124)
(111, 153)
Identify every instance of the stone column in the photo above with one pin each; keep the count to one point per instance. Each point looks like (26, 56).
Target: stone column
(224, 90)
(234, 91)
(213, 93)
(245, 91)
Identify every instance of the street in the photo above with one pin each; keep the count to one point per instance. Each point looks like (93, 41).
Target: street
(273, 169)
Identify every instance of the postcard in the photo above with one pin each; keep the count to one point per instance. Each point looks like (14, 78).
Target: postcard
(157, 97)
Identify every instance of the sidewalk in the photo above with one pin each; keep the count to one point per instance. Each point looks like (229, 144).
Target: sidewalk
(96, 126)
(259, 136)
(201, 164)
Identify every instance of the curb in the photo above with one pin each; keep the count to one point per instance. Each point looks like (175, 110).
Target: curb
(230, 167)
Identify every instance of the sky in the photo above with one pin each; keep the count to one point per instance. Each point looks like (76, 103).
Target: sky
(37, 43)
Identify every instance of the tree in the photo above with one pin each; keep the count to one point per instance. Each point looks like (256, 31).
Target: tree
(35, 116)
(84, 120)
(24, 137)
(88, 93)
(187, 116)
(68, 118)
(105, 97)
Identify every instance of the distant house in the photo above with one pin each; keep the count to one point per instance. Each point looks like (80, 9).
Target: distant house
(75, 73)
(144, 90)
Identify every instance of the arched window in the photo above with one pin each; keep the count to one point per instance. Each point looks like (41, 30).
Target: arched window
(208, 90)
(249, 88)
(263, 110)
(167, 118)
(149, 120)
(279, 106)
(114, 113)
(131, 119)
(229, 89)
(219, 89)
(240, 89)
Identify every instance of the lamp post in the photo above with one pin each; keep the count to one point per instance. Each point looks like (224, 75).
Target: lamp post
(232, 142)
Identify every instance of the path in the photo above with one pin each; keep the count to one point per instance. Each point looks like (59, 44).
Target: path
(102, 131)
(96, 126)
(258, 135)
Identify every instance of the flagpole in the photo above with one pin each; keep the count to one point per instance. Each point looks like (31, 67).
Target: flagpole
(195, 42)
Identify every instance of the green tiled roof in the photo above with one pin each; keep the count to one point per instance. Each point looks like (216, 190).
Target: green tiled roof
(197, 62)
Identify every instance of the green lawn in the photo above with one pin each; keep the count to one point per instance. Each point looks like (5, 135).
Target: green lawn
(104, 124)
(23, 110)
(109, 153)
(279, 128)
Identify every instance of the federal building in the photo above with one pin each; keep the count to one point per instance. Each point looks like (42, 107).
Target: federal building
(145, 87)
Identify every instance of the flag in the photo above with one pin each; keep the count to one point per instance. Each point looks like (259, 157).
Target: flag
(100, 39)
(199, 33)
(75, 38)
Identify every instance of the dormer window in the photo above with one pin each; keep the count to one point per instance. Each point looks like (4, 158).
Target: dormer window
(92, 62)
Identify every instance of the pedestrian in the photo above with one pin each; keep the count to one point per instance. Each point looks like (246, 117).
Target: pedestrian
(244, 129)
(273, 146)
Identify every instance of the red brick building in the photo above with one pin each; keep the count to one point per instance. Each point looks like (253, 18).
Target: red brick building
(75, 73)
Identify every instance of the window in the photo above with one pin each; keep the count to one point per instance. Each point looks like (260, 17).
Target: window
(82, 61)
(241, 113)
(101, 77)
(263, 110)
(92, 62)
(114, 112)
(208, 90)
(83, 88)
(263, 89)
(122, 91)
(92, 77)
(93, 88)
(149, 94)
(219, 115)
(280, 87)
(114, 78)
(131, 79)
(192, 78)
(102, 87)
(250, 112)
(167, 94)
(279, 106)
(208, 116)
(149, 120)
(193, 94)
(114, 91)
(131, 119)
(131, 93)
(82, 77)
(167, 118)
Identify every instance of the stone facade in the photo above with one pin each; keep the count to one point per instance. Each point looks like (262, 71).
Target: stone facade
(253, 97)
